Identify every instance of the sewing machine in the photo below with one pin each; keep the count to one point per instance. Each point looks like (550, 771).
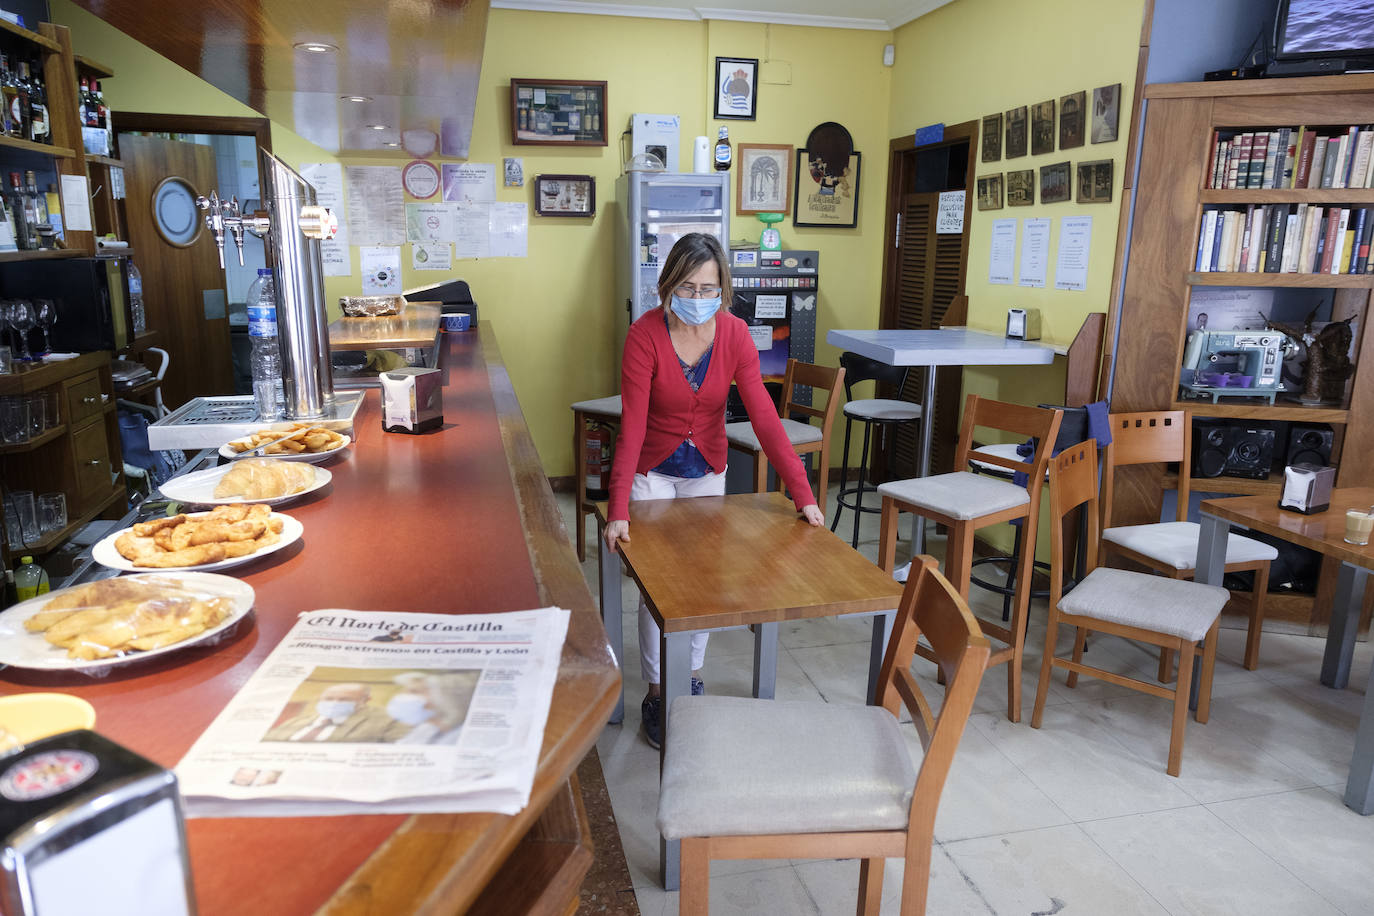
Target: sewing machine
(1235, 363)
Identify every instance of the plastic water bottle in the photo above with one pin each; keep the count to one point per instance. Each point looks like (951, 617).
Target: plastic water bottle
(30, 579)
(265, 359)
(136, 312)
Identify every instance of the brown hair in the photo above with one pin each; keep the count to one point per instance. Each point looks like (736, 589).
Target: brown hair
(690, 252)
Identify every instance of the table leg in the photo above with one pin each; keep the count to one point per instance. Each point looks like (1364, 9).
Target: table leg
(675, 680)
(608, 584)
(882, 629)
(1359, 786)
(918, 523)
(765, 660)
(1345, 620)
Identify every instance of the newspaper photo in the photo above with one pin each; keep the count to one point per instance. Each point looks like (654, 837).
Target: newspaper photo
(368, 712)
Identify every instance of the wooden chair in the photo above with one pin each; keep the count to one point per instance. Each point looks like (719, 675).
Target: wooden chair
(1170, 613)
(964, 502)
(1171, 547)
(761, 779)
(608, 411)
(805, 437)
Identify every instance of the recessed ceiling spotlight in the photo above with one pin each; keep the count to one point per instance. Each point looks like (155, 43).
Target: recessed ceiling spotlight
(391, 143)
(355, 98)
(376, 127)
(315, 47)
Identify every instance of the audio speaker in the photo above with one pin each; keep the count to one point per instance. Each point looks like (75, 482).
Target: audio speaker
(1309, 443)
(1236, 448)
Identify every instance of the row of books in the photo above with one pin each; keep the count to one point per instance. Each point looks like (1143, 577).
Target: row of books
(1286, 238)
(1292, 157)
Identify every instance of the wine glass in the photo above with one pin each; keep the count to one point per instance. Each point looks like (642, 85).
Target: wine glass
(21, 319)
(46, 315)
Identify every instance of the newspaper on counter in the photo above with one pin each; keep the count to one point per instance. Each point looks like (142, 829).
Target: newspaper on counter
(367, 712)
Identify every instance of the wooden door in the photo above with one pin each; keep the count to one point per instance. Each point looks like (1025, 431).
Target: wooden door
(183, 286)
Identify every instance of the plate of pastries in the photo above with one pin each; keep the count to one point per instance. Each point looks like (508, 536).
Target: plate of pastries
(114, 621)
(205, 541)
(292, 442)
(269, 481)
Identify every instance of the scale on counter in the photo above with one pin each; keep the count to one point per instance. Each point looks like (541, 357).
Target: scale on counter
(213, 421)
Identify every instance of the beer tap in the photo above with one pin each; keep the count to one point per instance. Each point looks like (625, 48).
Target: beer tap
(315, 222)
(214, 220)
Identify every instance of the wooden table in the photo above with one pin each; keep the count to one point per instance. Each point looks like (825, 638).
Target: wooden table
(1324, 533)
(460, 520)
(721, 562)
(415, 326)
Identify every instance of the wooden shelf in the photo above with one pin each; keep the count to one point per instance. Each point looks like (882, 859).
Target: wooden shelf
(1278, 411)
(1232, 486)
(1364, 196)
(45, 149)
(31, 37)
(1312, 281)
(39, 441)
(44, 254)
(100, 71)
(104, 160)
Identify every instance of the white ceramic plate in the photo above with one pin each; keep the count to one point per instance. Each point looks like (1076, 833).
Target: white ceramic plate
(226, 450)
(105, 554)
(22, 649)
(199, 487)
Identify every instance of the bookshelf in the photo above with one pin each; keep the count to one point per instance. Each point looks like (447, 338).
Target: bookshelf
(1177, 164)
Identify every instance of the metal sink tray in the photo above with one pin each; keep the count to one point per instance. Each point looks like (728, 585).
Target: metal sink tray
(211, 422)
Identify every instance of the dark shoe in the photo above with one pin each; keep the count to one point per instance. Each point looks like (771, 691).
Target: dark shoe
(698, 687)
(651, 715)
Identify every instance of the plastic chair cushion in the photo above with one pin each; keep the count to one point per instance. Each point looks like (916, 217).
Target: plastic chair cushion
(1175, 543)
(742, 434)
(883, 410)
(607, 407)
(1176, 607)
(734, 765)
(960, 495)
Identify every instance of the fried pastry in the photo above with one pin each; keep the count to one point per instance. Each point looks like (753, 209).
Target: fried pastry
(265, 478)
(144, 613)
(227, 531)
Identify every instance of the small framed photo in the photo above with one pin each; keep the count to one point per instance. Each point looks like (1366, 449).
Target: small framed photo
(763, 179)
(992, 137)
(1021, 188)
(1056, 183)
(737, 88)
(1095, 182)
(1106, 113)
(990, 192)
(826, 195)
(565, 195)
(1042, 128)
(1016, 132)
(1072, 110)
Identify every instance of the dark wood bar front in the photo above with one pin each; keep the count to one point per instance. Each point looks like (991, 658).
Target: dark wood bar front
(460, 520)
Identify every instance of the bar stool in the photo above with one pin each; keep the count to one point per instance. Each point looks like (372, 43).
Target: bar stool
(884, 413)
(607, 410)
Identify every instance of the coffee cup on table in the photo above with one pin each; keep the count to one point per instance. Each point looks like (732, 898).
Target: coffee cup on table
(1358, 525)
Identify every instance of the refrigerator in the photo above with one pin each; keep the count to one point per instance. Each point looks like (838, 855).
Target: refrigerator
(660, 208)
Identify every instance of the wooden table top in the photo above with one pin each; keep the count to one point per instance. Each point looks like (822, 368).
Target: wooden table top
(722, 561)
(1323, 532)
(460, 520)
(414, 327)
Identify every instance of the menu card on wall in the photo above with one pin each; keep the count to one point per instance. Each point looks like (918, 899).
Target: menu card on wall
(1075, 240)
(376, 205)
(1002, 254)
(327, 178)
(1035, 252)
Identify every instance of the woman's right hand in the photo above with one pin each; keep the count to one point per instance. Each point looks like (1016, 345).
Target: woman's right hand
(615, 532)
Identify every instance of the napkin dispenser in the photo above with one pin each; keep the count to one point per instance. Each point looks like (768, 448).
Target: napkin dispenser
(89, 827)
(1307, 488)
(1023, 324)
(412, 399)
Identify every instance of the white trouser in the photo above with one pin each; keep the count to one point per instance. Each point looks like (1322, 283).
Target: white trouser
(660, 486)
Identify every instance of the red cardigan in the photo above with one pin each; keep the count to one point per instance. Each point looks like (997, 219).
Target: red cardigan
(659, 410)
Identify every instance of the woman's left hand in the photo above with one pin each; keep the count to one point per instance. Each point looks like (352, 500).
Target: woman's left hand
(814, 516)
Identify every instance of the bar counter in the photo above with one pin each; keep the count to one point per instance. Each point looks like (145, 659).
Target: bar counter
(460, 520)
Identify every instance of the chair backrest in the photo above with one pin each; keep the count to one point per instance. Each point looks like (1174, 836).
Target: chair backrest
(859, 368)
(1030, 422)
(828, 379)
(1073, 482)
(1147, 437)
(931, 607)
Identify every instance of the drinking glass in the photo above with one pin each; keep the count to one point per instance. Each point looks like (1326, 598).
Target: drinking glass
(21, 319)
(52, 512)
(14, 534)
(46, 316)
(38, 413)
(53, 414)
(26, 509)
(6, 359)
(14, 420)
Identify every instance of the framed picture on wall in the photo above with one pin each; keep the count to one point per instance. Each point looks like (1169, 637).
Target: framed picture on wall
(1095, 182)
(1021, 188)
(763, 178)
(992, 137)
(1042, 127)
(1055, 183)
(1106, 112)
(565, 195)
(1016, 132)
(1072, 109)
(826, 196)
(990, 192)
(737, 88)
(557, 112)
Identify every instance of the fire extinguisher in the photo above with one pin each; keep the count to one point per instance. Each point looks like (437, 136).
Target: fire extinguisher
(597, 456)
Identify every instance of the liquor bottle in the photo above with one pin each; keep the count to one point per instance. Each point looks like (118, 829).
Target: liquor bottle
(102, 114)
(38, 108)
(82, 101)
(35, 207)
(24, 234)
(9, 93)
(723, 156)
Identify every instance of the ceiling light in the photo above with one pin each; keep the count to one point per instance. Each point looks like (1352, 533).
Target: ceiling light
(376, 127)
(315, 47)
(391, 143)
(355, 98)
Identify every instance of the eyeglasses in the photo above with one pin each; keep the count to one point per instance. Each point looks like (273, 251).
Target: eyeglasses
(691, 292)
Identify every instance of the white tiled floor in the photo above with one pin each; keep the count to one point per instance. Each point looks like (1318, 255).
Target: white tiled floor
(1077, 817)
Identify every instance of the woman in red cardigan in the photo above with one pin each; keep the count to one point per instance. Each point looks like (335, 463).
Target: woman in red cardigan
(679, 361)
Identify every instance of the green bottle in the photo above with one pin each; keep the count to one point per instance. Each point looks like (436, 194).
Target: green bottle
(30, 579)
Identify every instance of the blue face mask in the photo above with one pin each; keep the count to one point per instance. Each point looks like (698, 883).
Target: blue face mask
(695, 311)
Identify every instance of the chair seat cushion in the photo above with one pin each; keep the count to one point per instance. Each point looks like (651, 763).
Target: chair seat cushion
(606, 407)
(960, 495)
(734, 765)
(883, 410)
(742, 434)
(1175, 543)
(1173, 606)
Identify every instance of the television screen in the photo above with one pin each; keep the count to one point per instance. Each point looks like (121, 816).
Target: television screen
(1325, 28)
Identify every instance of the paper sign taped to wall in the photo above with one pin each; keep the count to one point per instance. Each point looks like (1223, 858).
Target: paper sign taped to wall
(76, 203)
(762, 335)
(949, 217)
(770, 306)
(431, 256)
(381, 268)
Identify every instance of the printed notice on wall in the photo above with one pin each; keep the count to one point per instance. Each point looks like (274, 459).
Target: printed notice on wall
(76, 203)
(470, 181)
(510, 229)
(376, 205)
(327, 179)
(762, 335)
(472, 223)
(431, 256)
(770, 306)
(381, 269)
(949, 218)
(1075, 239)
(1035, 252)
(1002, 254)
(431, 222)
